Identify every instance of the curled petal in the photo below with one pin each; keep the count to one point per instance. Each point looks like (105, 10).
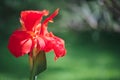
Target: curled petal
(49, 19)
(29, 19)
(45, 22)
(20, 43)
(59, 48)
(56, 44)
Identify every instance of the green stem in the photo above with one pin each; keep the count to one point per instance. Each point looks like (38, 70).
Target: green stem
(38, 64)
(32, 74)
(33, 77)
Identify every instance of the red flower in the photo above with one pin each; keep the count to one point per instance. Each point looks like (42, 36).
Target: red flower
(33, 34)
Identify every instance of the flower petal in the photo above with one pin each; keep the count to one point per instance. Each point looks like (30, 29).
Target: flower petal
(49, 19)
(29, 19)
(48, 44)
(59, 48)
(45, 22)
(55, 43)
(41, 43)
(20, 43)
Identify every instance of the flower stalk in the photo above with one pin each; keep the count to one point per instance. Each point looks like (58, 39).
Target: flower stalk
(37, 64)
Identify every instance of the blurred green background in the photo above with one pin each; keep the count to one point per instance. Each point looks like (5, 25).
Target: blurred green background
(90, 28)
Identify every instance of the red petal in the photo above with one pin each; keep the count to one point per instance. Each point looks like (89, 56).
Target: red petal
(49, 19)
(59, 47)
(45, 22)
(41, 43)
(31, 18)
(57, 44)
(20, 43)
(48, 44)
